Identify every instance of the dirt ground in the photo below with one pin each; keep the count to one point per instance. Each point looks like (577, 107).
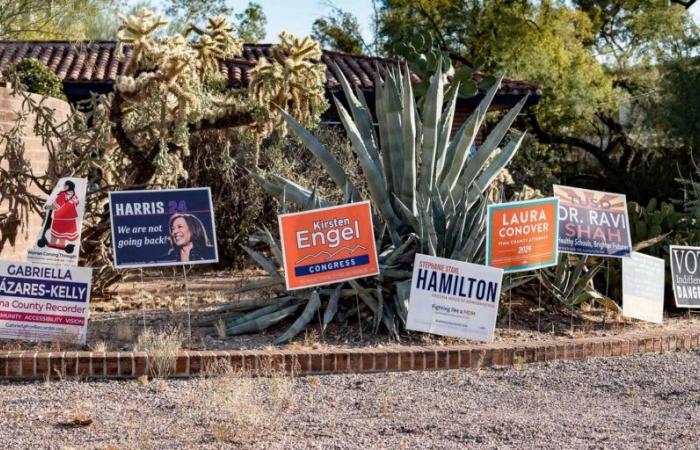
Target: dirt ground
(642, 401)
(163, 299)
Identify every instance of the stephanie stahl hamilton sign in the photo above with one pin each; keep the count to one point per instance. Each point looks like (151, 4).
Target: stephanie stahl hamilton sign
(44, 303)
(454, 298)
(685, 275)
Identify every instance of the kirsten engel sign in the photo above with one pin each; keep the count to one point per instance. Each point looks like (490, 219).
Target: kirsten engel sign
(593, 222)
(454, 298)
(58, 242)
(44, 303)
(522, 235)
(643, 287)
(328, 245)
(162, 227)
(685, 275)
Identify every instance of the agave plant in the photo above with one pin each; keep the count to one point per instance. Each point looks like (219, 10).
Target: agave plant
(427, 188)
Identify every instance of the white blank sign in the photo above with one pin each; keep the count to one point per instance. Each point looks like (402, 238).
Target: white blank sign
(643, 287)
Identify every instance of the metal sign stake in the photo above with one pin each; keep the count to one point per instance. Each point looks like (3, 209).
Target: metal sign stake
(189, 312)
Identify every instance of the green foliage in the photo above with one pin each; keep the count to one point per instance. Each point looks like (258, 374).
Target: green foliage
(423, 58)
(428, 191)
(597, 66)
(251, 23)
(570, 283)
(38, 79)
(339, 31)
(57, 19)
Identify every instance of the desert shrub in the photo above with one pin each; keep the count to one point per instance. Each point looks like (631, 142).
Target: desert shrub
(242, 207)
(39, 79)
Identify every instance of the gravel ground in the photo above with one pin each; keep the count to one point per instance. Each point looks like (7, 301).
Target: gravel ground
(647, 401)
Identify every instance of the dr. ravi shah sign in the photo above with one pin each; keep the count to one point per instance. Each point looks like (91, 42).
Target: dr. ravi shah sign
(593, 222)
(44, 303)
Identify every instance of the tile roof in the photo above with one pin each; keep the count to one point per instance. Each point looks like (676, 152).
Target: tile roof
(95, 62)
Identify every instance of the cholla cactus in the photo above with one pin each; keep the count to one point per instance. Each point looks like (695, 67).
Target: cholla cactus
(292, 78)
(166, 90)
(136, 30)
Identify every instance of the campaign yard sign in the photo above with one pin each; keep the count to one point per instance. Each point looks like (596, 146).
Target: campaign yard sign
(522, 235)
(593, 222)
(643, 287)
(454, 298)
(166, 227)
(58, 242)
(44, 303)
(685, 275)
(328, 245)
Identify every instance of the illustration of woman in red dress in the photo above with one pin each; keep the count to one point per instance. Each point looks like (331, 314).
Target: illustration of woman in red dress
(64, 220)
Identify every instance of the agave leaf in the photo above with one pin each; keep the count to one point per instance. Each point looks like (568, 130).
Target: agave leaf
(490, 144)
(403, 293)
(274, 247)
(432, 109)
(448, 115)
(246, 305)
(406, 214)
(375, 181)
(403, 248)
(263, 322)
(332, 166)
(458, 153)
(306, 316)
(332, 307)
(296, 193)
(269, 266)
(360, 113)
(262, 283)
(502, 159)
(408, 121)
(393, 146)
(650, 242)
(281, 303)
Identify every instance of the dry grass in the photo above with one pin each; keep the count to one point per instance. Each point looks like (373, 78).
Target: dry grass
(162, 348)
(220, 327)
(248, 408)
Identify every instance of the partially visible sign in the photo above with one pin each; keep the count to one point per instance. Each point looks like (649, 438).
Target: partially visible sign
(328, 245)
(522, 235)
(643, 287)
(593, 222)
(58, 242)
(164, 227)
(454, 298)
(44, 303)
(685, 276)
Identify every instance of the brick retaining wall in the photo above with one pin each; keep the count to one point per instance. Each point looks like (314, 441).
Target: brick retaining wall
(40, 365)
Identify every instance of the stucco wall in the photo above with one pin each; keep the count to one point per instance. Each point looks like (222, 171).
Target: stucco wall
(37, 155)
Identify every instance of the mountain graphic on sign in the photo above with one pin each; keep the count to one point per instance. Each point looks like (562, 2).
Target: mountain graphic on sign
(328, 256)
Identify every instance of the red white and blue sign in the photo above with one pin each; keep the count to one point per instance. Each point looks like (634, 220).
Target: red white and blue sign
(165, 227)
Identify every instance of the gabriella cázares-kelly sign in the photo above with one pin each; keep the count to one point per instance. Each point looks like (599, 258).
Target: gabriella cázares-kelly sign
(44, 303)
(328, 245)
(593, 222)
(162, 227)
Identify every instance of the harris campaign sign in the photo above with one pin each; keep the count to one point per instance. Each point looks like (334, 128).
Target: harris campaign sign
(685, 275)
(162, 227)
(522, 235)
(328, 245)
(593, 222)
(44, 303)
(454, 298)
